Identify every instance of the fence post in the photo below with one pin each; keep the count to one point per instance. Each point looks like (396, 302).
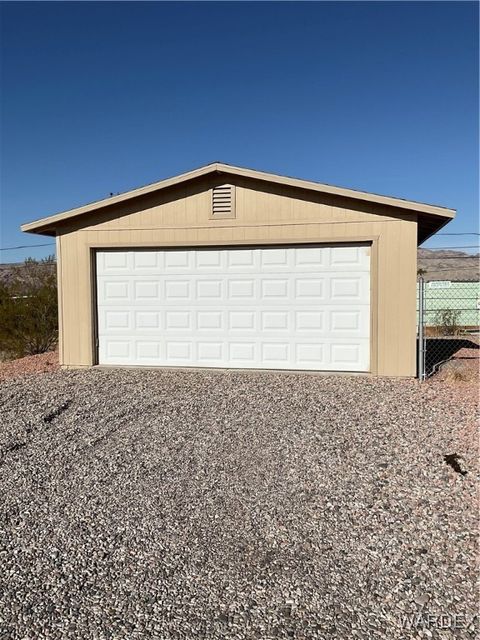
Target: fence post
(421, 338)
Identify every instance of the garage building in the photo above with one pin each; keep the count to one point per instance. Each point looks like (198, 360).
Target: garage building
(234, 268)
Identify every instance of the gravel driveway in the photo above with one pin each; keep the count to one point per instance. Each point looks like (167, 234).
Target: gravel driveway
(158, 504)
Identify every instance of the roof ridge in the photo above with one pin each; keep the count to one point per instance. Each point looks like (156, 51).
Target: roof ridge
(47, 222)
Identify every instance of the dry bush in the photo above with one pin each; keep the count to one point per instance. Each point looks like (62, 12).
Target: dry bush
(28, 309)
(446, 321)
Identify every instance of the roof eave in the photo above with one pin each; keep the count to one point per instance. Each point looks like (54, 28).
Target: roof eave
(47, 225)
(441, 222)
(37, 226)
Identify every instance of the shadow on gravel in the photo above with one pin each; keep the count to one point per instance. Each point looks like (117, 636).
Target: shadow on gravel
(15, 446)
(56, 412)
(47, 419)
(438, 350)
(452, 460)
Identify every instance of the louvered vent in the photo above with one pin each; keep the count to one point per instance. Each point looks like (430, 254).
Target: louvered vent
(223, 201)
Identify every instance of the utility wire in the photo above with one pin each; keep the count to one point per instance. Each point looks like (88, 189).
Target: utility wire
(27, 246)
(463, 256)
(22, 265)
(448, 269)
(48, 244)
(449, 257)
(467, 246)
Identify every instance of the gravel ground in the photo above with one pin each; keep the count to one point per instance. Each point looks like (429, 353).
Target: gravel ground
(158, 504)
(30, 364)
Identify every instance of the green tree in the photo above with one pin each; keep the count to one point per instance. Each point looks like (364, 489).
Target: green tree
(28, 309)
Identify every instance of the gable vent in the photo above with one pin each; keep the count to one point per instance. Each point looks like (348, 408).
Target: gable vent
(223, 201)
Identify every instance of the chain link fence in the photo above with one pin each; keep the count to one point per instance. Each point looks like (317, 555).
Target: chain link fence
(448, 319)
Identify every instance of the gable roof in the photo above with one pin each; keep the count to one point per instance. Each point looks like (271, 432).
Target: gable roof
(435, 216)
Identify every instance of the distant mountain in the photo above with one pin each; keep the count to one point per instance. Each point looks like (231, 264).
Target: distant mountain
(437, 264)
(447, 264)
(7, 269)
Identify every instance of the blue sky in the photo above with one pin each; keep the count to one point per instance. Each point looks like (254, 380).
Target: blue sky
(104, 97)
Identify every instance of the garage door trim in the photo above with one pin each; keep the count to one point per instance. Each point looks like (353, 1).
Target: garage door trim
(373, 241)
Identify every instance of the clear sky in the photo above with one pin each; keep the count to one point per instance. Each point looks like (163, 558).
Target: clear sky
(104, 97)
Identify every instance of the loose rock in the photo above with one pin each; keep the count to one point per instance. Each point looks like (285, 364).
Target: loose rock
(163, 504)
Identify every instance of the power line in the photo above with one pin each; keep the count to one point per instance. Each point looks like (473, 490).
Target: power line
(449, 269)
(243, 226)
(48, 244)
(21, 265)
(27, 246)
(449, 257)
(467, 246)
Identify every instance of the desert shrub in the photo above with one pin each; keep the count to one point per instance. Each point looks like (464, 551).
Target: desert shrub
(446, 321)
(28, 309)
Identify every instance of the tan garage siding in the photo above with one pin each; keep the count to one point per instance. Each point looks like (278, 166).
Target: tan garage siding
(265, 214)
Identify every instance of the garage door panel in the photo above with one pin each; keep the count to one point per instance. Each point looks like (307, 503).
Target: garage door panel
(116, 262)
(348, 256)
(275, 289)
(344, 354)
(179, 351)
(276, 321)
(148, 290)
(210, 289)
(289, 307)
(348, 322)
(118, 349)
(244, 260)
(311, 353)
(241, 320)
(144, 261)
(264, 354)
(148, 351)
(210, 352)
(116, 320)
(178, 261)
(309, 320)
(210, 320)
(178, 321)
(276, 260)
(348, 289)
(148, 320)
(311, 290)
(210, 261)
(310, 258)
(177, 289)
(117, 290)
(241, 289)
(276, 353)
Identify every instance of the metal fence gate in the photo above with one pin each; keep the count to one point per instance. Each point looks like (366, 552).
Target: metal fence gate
(448, 318)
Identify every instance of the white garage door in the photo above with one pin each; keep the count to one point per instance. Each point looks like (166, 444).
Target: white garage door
(302, 307)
